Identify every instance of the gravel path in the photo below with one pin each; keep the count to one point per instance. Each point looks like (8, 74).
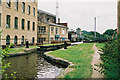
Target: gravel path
(96, 60)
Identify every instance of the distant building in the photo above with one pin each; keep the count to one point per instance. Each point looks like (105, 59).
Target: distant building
(49, 30)
(18, 20)
(118, 17)
(79, 34)
(75, 36)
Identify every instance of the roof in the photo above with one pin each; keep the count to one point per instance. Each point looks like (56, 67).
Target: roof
(53, 24)
(41, 11)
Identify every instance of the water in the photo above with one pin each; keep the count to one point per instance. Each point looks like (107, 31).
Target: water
(32, 66)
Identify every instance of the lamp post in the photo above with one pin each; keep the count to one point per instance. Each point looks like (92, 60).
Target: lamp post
(95, 26)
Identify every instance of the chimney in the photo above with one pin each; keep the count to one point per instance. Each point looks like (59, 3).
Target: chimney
(58, 20)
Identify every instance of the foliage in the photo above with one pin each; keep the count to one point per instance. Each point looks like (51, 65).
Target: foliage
(90, 34)
(109, 32)
(81, 56)
(4, 66)
(110, 57)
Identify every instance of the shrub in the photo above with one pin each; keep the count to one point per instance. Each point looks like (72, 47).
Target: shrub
(110, 57)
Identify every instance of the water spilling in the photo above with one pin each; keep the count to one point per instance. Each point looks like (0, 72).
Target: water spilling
(32, 66)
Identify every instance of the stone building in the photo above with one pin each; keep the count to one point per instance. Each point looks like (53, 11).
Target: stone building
(49, 30)
(79, 34)
(18, 20)
(75, 35)
(118, 17)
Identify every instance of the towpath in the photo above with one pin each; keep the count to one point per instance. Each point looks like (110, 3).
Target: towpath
(96, 60)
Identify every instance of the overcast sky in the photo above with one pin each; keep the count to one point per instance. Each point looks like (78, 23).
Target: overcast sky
(81, 13)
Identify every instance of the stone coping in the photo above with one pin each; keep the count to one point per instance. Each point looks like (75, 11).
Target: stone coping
(26, 52)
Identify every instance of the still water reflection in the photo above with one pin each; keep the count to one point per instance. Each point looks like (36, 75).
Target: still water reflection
(32, 66)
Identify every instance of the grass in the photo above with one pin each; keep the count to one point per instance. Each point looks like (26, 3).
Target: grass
(100, 45)
(81, 56)
(21, 49)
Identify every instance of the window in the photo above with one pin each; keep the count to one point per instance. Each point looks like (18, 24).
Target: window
(16, 23)
(15, 40)
(56, 38)
(60, 30)
(22, 40)
(33, 0)
(23, 23)
(63, 31)
(23, 7)
(0, 19)
(28, 9)
(33, 40)
(48, 19)
(0, 2)
(8, 21)
(51, 39)
(33, 26)
(66, 31)
(56, 30)
(41, 40)
(52, 30)
(42, 29)
(28, 25)
(16, 4)
(8, 3)
(8, 40)
(33, 11)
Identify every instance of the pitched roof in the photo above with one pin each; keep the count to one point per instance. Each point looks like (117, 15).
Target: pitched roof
(41, 11)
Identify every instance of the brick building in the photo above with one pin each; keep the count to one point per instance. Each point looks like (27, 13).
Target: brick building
(18, 20)
(49, 30)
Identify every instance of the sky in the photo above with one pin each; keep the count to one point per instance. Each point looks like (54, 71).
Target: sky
(81, 13)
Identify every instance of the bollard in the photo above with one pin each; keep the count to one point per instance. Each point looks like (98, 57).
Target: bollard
(65, 45)
(27, 44)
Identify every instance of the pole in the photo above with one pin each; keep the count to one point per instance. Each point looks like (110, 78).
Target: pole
(57, 11)
(95, 26)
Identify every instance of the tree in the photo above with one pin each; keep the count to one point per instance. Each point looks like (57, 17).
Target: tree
(109, 32)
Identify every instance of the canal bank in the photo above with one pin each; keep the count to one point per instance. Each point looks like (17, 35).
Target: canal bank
(81, 56)
(50, 59)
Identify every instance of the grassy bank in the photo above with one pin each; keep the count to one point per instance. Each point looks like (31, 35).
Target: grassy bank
(21, 49)
(81, 56)
(100, 45)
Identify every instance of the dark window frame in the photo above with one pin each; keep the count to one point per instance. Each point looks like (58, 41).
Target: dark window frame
(42, 29)
(23, 24)
(8, 40)
(56, 30)
(29, 9)
(16, 4)
(8, 21)
(33, 11)
(33, 40)
(22, 40)
(16, 23)
(33, 26)
(9, 3)
(23, 7)
(15, 40)
(28, 25)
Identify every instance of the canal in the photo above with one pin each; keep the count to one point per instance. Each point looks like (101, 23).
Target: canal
(32, 66)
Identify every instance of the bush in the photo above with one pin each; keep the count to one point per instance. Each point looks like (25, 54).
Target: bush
(110, 57)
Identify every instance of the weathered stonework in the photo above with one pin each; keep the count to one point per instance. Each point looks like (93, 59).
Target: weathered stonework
(49, 20)
(28, 34)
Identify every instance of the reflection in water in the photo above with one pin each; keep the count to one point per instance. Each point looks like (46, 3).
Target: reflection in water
(31, 66)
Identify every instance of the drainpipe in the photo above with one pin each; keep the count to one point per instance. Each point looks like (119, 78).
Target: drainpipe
(48, 33)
